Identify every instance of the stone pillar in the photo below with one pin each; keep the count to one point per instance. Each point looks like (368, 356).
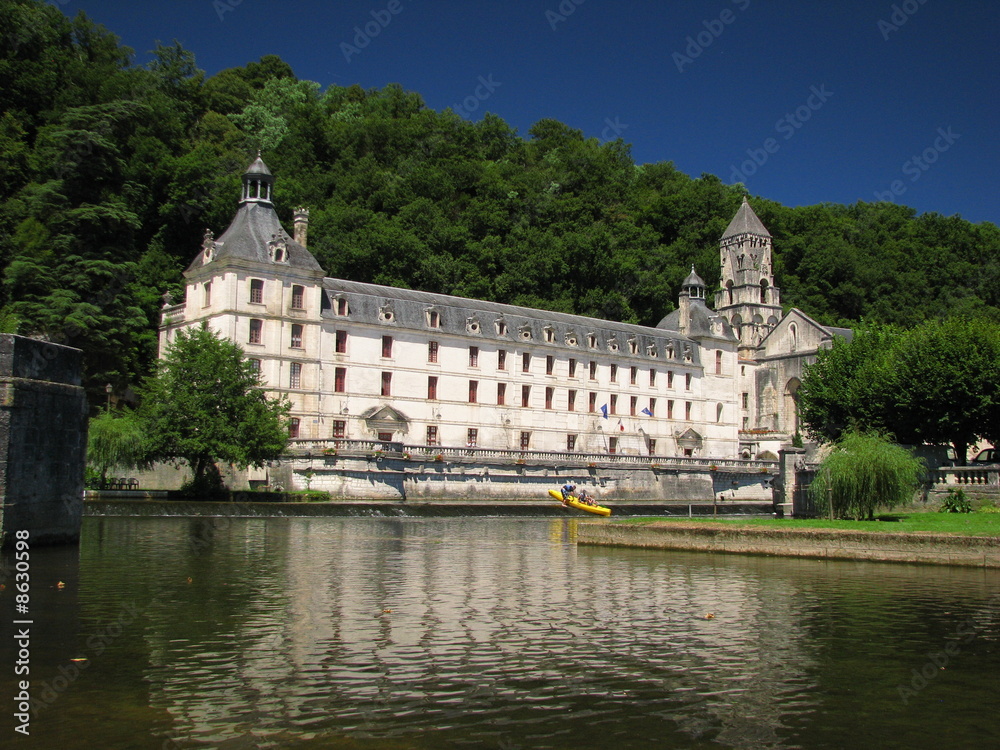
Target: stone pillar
(43, 440)
(786, 482)
(301, 225)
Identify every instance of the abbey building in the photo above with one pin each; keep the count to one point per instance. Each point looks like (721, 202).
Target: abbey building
(366, 362)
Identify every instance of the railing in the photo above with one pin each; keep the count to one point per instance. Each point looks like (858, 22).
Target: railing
(391, 449)
(980, 476)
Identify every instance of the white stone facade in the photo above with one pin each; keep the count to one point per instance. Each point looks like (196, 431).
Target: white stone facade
(366, 362)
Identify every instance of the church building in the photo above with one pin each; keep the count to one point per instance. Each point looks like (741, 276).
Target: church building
(361, 361)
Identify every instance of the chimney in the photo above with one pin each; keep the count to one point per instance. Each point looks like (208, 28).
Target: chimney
(301, 224)
(684, 305)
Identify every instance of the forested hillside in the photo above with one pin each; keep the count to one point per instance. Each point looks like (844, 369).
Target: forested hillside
(110, 172)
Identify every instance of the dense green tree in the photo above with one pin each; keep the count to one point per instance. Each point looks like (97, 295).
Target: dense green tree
(116, 441)
(937, 383)
(205, 404)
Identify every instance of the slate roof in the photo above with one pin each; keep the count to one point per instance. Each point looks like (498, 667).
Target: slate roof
(247, 238)
(700, 322)
(458, 315)
(745, 222)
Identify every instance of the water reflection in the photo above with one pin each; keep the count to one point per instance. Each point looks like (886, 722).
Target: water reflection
(421, 633)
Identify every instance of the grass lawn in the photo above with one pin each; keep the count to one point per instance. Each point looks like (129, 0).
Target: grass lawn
(971, 524)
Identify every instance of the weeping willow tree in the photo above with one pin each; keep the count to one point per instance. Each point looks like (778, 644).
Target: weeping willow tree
(116, 440)
(865, 473)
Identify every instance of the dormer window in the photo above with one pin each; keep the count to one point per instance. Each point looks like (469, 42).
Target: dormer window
(550, 334)
(501, 327)
(592, 340)
(278, 249)
(651, 350)
(433, 318)
(342, 306)
(571, 339)
(472, 324)
(525, 332)
(612, 344)
(633, 345)
(386, 314)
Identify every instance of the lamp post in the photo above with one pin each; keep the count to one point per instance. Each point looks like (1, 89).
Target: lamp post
(107, 390)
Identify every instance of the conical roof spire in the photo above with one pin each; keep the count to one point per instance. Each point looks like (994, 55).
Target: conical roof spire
(745, 222)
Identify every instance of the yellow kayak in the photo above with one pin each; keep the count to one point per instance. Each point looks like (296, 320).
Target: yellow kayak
(574, 503)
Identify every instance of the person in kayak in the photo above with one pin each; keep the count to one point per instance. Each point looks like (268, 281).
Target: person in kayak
(567, 492)
(586, 499)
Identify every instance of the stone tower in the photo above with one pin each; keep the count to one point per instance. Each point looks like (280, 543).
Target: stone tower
(747, 296)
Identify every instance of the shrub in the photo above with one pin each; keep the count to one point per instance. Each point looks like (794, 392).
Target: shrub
(863, 473)
(956, 502)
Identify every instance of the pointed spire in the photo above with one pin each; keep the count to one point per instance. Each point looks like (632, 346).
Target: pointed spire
(745, 222)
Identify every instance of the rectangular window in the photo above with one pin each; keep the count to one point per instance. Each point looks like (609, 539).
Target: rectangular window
(652, 407)
(473, 356)
(432, 351)
(652, 447)
(549, 394)
(633, 373)
(434, 319)
(255, 365)
(256, 327)
(385, 437)
(386, 384)
(340, 343)
(387, 346)
(339, 428)
(687, 381)
(432, 388)
(670, 409)
(526, 362)
(614, 373)
(591, 402)
(593, 371)
(432, 435)
(257, 291)
(746, 423)
(293, 427)
(614, 403)
(550, 364)
(746, 400)
(572, 368)
(652, 378)
(340, 380)
(718, 362)
(502, 359)
(525, 395)
(612, 445)
(571, 401)
(342, 306)
(298, 297)
(501, 394)
(473, 391)
(208, 293)
(687, 410)
(295, 375)
(633, 405)
(472, 438)
(296, 342)
(670, 379)
(525, 440)
(571, 442)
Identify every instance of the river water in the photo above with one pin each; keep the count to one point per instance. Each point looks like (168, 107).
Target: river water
(489, 633)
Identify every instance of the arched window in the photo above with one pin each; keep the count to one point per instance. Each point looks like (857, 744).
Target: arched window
(763, 290)
(793, 338)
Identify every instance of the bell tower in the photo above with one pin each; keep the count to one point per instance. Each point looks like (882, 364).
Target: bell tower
(747, 296)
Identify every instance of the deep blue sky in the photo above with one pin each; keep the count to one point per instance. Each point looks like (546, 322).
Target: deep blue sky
(889, 91)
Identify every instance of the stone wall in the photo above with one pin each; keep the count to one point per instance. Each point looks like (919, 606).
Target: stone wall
(936, 549)
(43, 440)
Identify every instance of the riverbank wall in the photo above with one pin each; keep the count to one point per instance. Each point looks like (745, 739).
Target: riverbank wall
(830, 544)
